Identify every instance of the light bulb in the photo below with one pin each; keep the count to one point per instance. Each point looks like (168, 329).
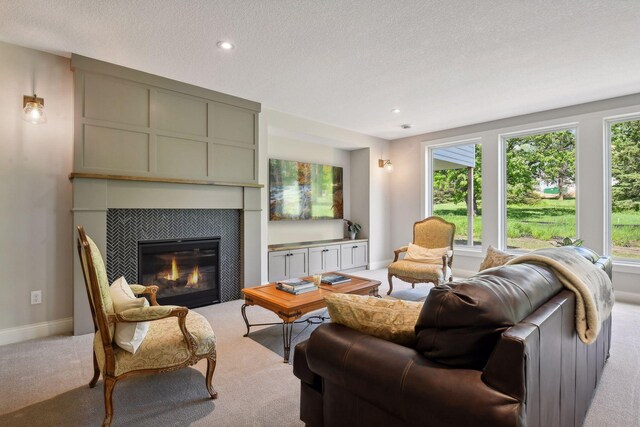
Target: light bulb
(225, 45)
(34, 112)
(389, 167)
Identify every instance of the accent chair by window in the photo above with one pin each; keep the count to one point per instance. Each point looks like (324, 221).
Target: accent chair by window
(433, 246)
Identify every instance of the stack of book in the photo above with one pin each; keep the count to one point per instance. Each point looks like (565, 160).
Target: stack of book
(295, 286)
(334, 279)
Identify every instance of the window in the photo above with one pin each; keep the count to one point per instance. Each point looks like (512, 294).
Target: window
(457, 190)
(541, 189)
(625, 189)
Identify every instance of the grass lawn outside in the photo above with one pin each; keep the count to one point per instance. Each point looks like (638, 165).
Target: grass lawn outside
(535, 226)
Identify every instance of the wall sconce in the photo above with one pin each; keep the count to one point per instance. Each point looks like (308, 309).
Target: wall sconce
(33, 109)
(385, 164)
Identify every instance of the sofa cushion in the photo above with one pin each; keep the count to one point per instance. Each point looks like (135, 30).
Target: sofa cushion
(426, 255)
(391, 320)
(495, 258)
(419, 270)
(460, 323)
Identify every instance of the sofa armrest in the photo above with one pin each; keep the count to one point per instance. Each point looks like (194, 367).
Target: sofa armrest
(404, 383)
(605, 263)
(506, 370)
(301, 367)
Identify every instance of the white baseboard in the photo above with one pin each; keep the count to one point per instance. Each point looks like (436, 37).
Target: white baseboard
(36, 330)
(629, 297)
(380, 264)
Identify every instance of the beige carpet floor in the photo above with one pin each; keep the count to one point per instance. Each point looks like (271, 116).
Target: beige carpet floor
(44, 382)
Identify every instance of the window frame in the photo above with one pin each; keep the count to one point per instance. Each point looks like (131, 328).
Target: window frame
(428, 180)
(608, 188)
(502, 180)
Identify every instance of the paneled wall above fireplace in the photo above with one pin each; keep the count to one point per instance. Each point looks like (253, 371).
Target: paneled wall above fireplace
(132, 123)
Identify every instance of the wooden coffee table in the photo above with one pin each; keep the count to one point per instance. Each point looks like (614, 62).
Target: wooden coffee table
(290, 307)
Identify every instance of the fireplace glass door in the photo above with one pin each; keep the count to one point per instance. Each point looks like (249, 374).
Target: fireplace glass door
(186, 271)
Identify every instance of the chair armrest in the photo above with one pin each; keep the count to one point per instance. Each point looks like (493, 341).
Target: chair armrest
(149, 290)
(398, 251)
(157, 312)
(145, 314)
(402, 382)
(447, 260)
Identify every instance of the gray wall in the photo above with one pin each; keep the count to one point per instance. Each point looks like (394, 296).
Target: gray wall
(35, 193)
(408, 196)
(360, 191)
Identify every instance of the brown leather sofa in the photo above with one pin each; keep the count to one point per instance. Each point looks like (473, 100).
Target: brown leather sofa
(497, 349)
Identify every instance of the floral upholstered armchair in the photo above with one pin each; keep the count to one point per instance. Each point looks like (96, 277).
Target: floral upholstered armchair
(176, 337)
(433, 243)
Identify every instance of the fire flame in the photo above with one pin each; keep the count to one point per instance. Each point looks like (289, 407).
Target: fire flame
(193, 277)
(174, 275)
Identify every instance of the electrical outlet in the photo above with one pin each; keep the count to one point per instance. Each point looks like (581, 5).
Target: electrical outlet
(36, 297)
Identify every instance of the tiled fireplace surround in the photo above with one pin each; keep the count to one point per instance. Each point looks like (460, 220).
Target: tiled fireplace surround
(126, 227)
(121, 210)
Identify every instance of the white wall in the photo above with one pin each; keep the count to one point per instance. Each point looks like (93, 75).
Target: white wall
(35, 193)
(300, 138)
(407, 198)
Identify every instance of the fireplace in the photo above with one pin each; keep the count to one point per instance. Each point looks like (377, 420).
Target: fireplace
(186, 271)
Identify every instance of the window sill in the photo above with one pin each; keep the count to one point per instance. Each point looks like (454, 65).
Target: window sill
(468, 251)
(626, 267)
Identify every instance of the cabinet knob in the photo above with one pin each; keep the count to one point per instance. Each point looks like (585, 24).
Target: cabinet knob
(354, 247)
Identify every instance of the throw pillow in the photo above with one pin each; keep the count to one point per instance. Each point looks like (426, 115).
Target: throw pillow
(391, 320)
(128, 336)
(426, 255)
(495, 258)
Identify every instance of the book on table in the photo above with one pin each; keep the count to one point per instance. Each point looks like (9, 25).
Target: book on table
(295, 286)
(335, 279)
(296, 291)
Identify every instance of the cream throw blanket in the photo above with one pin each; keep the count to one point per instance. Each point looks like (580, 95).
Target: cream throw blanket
(590, 284)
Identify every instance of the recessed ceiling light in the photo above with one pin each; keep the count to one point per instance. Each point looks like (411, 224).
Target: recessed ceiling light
(405, 126)
(395, 110)
(225, 45)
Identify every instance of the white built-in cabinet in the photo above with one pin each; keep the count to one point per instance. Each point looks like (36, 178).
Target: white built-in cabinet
(353, 255)
(305, 259)
(288, 264)
(324, 258)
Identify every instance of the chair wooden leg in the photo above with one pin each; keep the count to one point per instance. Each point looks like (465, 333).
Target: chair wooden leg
(96, 372)
(390, 276)
(109, 384)
(211, 366)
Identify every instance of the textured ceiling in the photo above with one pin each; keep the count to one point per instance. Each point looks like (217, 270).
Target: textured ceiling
(348, 63)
